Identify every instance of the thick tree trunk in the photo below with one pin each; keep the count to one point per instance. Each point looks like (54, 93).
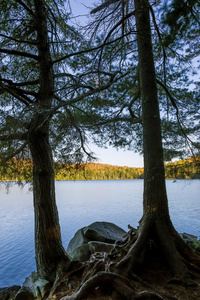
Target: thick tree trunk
(155, 197)
(155, 223)
(49, 251)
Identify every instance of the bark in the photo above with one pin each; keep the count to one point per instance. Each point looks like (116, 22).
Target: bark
(155, 197)
(155, 224)
(49, 251)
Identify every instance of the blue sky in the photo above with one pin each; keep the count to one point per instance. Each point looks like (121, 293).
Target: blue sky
(117, 157)
(109, 155)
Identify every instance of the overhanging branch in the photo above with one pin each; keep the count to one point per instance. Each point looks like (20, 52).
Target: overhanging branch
(104, 5)
(25, 6)
(89, 50)
(89, 93)
(173, 101)
(25, 83)
(19, 53)
(13, 136)
(20, 149)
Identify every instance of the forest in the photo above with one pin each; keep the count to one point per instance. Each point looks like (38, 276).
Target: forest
(22, 170)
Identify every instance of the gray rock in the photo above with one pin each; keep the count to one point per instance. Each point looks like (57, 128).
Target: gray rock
(97, 237)
(78, 240)
(81, 253)
(100, 247)
(104, 232)
(34, 287)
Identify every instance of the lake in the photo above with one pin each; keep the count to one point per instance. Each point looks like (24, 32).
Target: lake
(81, 203)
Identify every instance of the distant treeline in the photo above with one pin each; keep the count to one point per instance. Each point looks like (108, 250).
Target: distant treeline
(21, 170)
(183, 169)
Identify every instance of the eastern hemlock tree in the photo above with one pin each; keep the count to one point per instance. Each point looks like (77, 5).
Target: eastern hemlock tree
(41, 88)
(180, 26)
(178, 99)
(141, 102)
(46, 85)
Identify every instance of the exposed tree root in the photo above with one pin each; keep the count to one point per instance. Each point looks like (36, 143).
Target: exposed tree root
(118, 287)
(178, 255)
(133, 266)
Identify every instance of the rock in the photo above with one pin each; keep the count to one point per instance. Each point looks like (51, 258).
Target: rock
(33, 288)
(81, 253)
(78, 240)
(100, 246)
(191, 240)
(104, 232)
(9, 293)
(97, 237)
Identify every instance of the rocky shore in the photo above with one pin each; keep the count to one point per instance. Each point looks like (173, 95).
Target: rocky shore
(97, 239)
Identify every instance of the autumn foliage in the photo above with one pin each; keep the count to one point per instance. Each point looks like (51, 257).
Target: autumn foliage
(21, 170)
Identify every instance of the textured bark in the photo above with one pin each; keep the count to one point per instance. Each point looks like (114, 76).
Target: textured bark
(155, 197)
(49, 251)
(155, 224)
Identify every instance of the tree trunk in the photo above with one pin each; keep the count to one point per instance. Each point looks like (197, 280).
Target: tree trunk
(155, 197)
(49, 251)
(155, 223)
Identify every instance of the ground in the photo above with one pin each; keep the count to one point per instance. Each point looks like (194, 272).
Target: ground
(99, 280)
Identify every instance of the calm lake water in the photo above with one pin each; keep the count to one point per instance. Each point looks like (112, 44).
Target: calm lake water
(81, 203)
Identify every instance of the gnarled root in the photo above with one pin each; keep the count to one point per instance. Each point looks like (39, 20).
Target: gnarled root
(178, 255)
(114, 285)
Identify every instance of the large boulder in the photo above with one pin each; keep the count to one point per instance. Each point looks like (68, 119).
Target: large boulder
(97, 237)
(104, 232)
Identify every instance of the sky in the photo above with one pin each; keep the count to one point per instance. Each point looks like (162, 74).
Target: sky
(120, 157)
(110, 155)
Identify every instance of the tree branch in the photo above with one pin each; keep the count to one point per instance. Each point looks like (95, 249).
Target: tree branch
(80, 134)
(13, 136)
(89, 93)
(89, 50)
(17, 40)
(104, 5)
(20, 96)
(113, 29)
(25, 6)
(132, 101)
(12, 85)
(15, 153)
(121, 119)
(173, 101)
(25, 83)
(19, 53)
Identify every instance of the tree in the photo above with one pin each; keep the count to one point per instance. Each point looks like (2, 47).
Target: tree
(40, 89)
(156, 220)
(41, 97)
(155, 230)
(180, 124)
(155, 223)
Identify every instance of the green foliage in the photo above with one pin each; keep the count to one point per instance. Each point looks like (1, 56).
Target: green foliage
(113, 115)
(182, 18)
